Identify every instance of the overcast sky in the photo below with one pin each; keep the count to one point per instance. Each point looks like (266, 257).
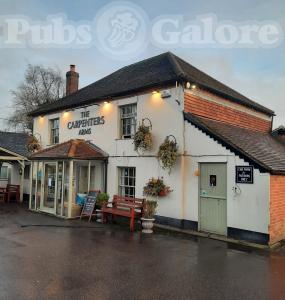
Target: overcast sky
(257, 73)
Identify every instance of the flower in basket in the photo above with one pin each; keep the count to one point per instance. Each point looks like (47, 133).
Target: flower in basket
(33, 144)
(168, 154)
(143, 138)
(156, 188)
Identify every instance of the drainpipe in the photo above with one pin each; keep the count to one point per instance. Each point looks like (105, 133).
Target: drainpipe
(106, 176)
(183, 164)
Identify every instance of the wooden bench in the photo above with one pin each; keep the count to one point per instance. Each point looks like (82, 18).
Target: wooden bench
(125, 207)
(13, 189)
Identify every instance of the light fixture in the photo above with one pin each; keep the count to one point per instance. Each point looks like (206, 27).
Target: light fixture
(165, 94)
(193, 87)
(188, 85)
(106, 102)
(68, 110)
(155, 92)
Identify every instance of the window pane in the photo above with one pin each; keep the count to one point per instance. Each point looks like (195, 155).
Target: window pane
(127, 182)
(4, 173)
(128, 120)
(54, 131)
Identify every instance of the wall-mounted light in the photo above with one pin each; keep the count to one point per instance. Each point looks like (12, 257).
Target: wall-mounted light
(155, 92)
(191, 86)
(106, 102)
(165, 94)
(68, 110)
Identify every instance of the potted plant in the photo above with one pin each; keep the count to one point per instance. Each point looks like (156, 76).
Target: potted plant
(168, 153)
(154, 189)
(143, 137)
(101, 201)
(148, 218)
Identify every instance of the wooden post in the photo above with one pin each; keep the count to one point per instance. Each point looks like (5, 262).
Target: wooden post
(71, 188)
(89, 174)
(62, 189)
(31, 185)
(22, 166)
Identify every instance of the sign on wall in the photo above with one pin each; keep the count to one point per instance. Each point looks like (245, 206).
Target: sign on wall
(244, 174)
(86, 123)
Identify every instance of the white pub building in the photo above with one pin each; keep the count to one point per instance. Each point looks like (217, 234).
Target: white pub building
(229, 178)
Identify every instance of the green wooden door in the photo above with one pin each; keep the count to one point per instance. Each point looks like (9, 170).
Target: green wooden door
(213, 198)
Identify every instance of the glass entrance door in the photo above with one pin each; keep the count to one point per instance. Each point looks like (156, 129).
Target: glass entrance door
(50, 188)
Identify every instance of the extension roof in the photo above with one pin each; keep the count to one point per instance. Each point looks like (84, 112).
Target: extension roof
(15, 142)
(262, 150)
(72, 149)
(156, 72)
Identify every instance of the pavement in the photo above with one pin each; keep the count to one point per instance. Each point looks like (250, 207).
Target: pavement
(43, 257)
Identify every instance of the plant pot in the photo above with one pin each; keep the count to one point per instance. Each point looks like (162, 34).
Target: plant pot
(98, 215)
(147, 225)
(162, 194)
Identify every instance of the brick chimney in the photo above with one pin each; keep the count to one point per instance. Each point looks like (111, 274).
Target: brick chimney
(72, 79)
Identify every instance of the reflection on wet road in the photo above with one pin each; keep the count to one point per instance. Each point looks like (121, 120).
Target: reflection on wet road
(59, 259)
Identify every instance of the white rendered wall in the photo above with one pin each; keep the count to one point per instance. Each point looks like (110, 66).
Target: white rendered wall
(166, 117)
(250, 209)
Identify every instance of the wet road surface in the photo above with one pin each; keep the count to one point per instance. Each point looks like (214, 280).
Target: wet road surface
(59, 259)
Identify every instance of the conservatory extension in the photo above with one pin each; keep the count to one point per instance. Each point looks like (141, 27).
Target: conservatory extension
(61, 172)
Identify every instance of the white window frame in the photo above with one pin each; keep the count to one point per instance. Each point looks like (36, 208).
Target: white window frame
(54, 129)
(132, 117)
(124, 181)
(7, 173)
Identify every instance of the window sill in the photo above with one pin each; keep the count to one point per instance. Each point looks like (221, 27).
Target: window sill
(124, 139)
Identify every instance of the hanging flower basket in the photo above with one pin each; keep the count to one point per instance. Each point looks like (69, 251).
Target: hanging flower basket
(33, 144)
(143, 137)
(156, 188)
(168, 153)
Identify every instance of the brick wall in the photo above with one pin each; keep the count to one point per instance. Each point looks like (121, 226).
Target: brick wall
(219, 112)
(277, 208)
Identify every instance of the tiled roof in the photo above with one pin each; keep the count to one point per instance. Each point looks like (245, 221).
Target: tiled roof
(72, 149)
(262, 150)
(159, 71)
(15, 142)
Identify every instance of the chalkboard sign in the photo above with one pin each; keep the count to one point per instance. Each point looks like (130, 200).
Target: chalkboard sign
(89, 207)
(244, 174)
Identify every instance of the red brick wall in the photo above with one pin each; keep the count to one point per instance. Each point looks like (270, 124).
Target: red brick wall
(215, 111)
(277, 208)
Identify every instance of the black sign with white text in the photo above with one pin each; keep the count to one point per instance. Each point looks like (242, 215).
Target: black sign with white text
(244, 174)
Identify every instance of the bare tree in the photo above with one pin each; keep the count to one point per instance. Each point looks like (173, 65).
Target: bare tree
(40, 86)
